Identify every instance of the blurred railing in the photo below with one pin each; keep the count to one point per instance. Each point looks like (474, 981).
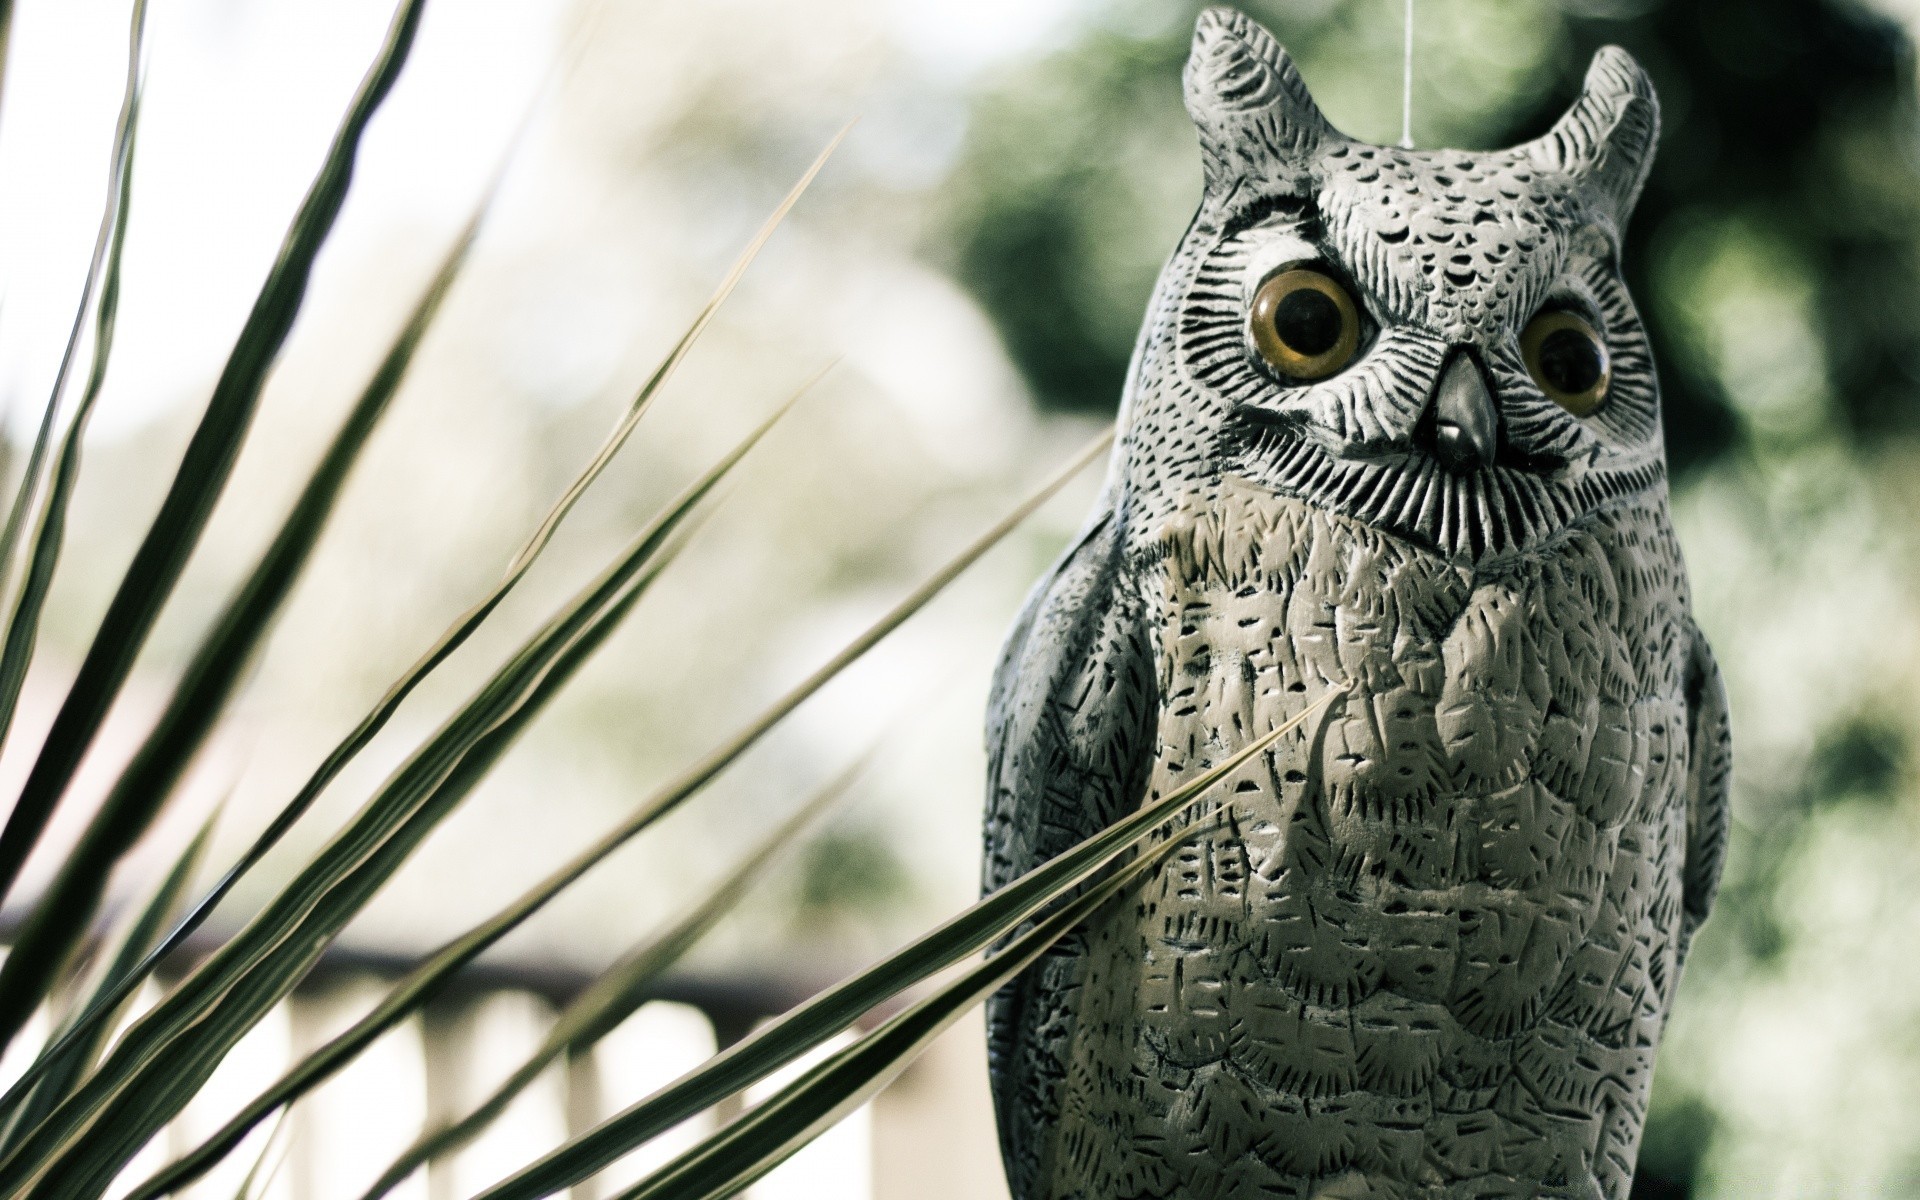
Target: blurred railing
(336, 1141)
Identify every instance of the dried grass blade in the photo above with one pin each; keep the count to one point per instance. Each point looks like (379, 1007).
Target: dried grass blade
(642, 399)
(267, 1164)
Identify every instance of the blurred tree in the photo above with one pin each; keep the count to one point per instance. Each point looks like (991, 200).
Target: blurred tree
(1078, 175)
(1793, 114)
(1797, 115)
(846, 874)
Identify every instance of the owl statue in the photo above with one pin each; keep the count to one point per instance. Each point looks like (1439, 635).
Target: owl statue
(1391, 430)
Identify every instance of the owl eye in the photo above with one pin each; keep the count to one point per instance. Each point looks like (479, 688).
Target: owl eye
(1305, 324)
(1568, 359)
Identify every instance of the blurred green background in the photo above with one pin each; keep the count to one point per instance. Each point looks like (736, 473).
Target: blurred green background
(976, 261)
(1775, 257)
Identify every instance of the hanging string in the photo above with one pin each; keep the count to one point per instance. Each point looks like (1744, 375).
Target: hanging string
(1406, 83)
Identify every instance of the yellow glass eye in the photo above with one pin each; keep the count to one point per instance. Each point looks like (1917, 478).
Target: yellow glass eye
(1568, 359)
(1305, 324)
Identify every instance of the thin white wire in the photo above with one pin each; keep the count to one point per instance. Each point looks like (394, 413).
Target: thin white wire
(1406, 83)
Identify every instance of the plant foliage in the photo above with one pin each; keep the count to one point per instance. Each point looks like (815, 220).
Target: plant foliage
(91, 1099)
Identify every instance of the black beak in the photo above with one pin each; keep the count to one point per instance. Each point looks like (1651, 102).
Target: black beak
(1462, 423)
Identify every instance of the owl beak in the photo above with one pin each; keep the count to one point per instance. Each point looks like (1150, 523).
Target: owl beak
(1462, 423)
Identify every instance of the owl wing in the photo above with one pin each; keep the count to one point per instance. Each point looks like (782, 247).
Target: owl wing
(1069, 746)
(1709, 772)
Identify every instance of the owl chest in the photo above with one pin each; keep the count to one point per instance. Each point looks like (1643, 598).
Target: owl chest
(1503, 762)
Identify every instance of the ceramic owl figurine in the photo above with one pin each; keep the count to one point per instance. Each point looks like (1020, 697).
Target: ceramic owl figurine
(1391, 429)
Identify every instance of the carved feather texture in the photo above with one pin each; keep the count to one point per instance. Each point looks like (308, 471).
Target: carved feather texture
(1432, 948)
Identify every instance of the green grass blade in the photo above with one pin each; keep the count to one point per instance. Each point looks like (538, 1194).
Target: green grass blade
(273, 1156)
(471, 944)
(112, 223)
(165, 1054)
(756, 1057)
(67, 1067)
(467, 622)
(153, 916)
(6, 40)
(591, 1016)
(416, 780)
(242, 979)
(59, 918)
(654, 382)
(768, 1135)
(202, 474)
(697, 776)
(129, 1106)
(23, 627)
(464, 625)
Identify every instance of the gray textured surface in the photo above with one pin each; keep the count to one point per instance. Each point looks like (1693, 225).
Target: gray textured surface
(1431, 951)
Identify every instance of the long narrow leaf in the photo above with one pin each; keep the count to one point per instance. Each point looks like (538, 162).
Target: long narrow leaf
(272, 1156)
(462, 949)
(648, 390)
(68, 1066)
(202, 476)
(112, 225)
(266, 958)
(614, 995)
(60, 916)
(23, 627)
(137, 1105)
(6, 41)
(827, 1014)
(771, 1133)
(734, 1158)
(467, 622)
(161, 905)
(398, 799)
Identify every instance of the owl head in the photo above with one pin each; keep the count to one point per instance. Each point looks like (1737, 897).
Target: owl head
(1437, 343)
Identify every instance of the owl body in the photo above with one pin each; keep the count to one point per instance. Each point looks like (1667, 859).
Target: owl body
(1427, 949)
(1432, 948)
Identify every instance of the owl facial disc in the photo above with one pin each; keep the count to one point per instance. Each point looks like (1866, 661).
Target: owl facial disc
(1440, 412)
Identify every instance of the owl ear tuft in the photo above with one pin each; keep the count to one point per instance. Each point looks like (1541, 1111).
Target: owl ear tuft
(1606, 140)
(1246, 98)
